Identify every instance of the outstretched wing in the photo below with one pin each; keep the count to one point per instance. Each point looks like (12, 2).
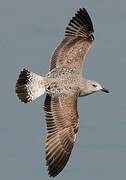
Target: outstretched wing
(62, 125)
(78, 39)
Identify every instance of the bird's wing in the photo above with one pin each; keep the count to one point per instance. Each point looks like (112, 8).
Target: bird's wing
(62, 125)
(76, 43)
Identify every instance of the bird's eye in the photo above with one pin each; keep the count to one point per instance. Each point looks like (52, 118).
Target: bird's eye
(94, 85)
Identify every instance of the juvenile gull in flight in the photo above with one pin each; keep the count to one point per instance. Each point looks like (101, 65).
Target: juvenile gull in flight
(62, 85)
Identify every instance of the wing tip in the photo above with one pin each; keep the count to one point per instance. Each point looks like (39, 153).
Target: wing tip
(56, 169)
(80, 25)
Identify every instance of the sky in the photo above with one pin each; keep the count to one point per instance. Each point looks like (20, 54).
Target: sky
(29, 32)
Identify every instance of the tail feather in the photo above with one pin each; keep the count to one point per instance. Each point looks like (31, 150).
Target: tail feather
(29, 86)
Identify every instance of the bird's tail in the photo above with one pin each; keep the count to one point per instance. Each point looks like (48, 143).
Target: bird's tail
(29, 86)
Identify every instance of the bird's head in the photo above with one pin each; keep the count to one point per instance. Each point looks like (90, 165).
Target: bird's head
(91, 87)
(94, 87)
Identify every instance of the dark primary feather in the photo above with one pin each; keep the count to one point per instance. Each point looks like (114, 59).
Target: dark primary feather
(80, 25)
(62, 124)
(73, 48)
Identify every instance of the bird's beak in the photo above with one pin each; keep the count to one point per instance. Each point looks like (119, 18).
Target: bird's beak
(105, 90)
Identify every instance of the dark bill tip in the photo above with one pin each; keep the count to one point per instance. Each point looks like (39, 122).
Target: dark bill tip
(105, 90)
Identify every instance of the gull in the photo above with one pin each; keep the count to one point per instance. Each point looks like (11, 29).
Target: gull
(62, 85)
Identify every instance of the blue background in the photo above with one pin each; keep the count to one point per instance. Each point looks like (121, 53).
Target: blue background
(29, 32)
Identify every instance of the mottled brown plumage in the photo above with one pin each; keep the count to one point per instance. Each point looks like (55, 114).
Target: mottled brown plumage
(70, 53)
